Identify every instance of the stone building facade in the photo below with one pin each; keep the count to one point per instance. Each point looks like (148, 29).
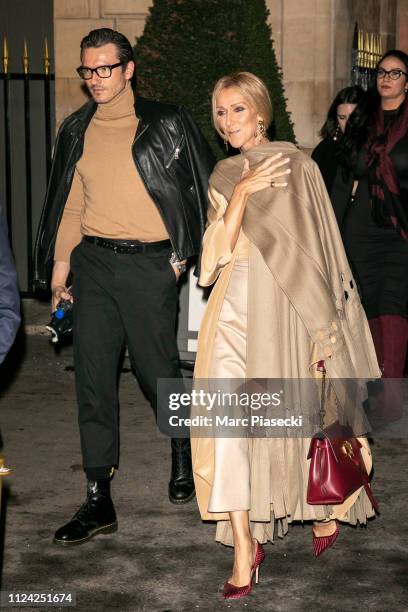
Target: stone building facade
(312, 40)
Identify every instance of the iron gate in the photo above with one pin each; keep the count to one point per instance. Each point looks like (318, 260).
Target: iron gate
(26, 124)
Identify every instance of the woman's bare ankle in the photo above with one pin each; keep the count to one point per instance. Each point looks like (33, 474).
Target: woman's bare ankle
(244, 554)
(324, 528)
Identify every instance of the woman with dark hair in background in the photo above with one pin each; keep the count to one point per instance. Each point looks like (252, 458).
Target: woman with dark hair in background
(327, 152)
(374, 157)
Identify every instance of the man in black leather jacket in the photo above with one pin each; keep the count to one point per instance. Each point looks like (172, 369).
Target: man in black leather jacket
(125, 208)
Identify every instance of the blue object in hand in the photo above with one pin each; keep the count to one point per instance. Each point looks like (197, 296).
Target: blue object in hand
(60, 313)
(61, 321)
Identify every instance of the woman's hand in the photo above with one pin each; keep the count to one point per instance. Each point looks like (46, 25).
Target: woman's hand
(267, 174)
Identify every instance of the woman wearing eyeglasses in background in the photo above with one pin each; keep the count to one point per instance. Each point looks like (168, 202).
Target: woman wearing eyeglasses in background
(375, 221)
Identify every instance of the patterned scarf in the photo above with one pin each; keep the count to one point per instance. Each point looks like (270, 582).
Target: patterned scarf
(386, 202)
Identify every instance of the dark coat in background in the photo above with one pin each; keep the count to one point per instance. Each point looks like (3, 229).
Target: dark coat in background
(338, 186)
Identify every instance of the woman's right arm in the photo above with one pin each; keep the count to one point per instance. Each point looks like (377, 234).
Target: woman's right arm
(225, 218)
(216, 251)
(263, 176)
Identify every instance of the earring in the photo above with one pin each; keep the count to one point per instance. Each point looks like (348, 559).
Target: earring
(336, 133)
(260, 131)
(226, 144)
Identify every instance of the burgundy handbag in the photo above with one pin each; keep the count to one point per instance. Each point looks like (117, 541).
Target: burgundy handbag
(336, 465)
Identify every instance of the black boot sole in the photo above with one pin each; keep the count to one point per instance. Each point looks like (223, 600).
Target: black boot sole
(105, 530)
(186, 500)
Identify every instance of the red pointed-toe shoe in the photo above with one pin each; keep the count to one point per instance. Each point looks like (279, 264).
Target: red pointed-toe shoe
(322, 543)
(236, 592)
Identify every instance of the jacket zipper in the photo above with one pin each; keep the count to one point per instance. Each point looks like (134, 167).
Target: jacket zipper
(176, 152)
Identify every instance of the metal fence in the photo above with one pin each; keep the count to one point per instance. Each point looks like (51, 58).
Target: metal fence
(26, 125)
(366, 53)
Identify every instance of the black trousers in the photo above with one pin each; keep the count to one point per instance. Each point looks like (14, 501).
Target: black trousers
(119, 298)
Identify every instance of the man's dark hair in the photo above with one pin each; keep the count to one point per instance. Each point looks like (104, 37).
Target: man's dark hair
(104, 36)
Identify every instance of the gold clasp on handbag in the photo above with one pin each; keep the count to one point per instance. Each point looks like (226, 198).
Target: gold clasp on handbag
(347, 449)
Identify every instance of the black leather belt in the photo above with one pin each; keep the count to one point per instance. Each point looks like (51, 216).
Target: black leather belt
(129, 246)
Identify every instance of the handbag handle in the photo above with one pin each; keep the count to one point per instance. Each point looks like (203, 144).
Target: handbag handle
(322, 412)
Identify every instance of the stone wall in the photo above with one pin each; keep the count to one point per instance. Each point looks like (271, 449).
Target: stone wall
(312, 39)
(402, 25)
(303, 32)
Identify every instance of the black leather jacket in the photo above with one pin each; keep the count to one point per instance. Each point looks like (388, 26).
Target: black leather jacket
(173, 159)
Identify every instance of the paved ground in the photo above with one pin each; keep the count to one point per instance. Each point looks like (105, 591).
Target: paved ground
(163, 558)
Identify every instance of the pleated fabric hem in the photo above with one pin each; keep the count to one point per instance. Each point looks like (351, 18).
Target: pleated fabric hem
(278, 527)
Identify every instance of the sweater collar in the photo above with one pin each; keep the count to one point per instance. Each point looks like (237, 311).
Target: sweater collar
(122, 105)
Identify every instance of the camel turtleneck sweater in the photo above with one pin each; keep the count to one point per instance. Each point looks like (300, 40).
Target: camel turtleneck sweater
(108, 197)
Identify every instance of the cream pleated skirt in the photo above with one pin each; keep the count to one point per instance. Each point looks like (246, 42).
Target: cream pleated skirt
(228, 362)
(266, 476)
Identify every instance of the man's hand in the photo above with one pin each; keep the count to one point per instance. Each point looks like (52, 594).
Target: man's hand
(59, 289)
(176, 271)
(60, 293)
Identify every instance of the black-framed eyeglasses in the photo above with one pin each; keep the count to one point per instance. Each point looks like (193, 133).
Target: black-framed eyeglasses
(393, 74)
(103, 72)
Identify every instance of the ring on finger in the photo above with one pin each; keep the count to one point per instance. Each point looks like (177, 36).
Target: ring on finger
(272, 183)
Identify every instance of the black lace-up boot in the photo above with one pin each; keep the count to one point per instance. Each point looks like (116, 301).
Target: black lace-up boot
(181, 485)
(96, 515)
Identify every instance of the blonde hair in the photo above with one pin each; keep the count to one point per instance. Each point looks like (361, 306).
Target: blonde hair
(253, 90)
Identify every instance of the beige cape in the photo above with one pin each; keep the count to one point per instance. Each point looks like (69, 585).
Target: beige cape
(307, 309)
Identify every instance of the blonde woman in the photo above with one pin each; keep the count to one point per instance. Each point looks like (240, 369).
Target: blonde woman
(278, 307)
